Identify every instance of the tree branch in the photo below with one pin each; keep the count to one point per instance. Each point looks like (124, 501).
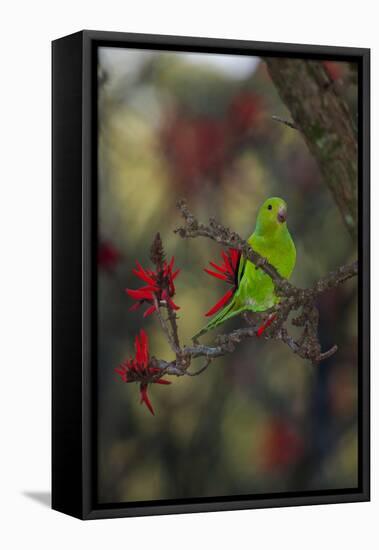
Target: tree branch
(293, 299)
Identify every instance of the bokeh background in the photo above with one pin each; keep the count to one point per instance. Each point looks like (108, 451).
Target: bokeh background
(195, 126)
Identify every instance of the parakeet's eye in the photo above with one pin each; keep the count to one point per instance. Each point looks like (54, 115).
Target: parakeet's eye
(270, 207)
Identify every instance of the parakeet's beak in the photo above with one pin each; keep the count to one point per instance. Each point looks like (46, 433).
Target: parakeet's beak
(282, 214)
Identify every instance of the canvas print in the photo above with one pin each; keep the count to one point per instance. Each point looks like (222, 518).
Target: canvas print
(227, 290)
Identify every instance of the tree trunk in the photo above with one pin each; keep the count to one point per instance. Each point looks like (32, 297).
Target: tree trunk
(321, 114)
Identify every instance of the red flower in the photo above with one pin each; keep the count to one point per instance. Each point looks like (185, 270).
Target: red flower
(159, 286)
(270, 319)
(138, 369)
(107, 256)
(227, 272)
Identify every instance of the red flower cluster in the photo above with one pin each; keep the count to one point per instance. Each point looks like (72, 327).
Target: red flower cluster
(228, 272)
(160, 287)
(137, 369)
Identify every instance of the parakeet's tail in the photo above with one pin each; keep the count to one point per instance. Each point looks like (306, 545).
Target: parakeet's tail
(226, 313)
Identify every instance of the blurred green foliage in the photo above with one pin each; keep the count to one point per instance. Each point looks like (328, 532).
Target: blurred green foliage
(261, 420)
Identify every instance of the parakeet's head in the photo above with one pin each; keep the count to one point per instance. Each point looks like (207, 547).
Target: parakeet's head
(272, 215)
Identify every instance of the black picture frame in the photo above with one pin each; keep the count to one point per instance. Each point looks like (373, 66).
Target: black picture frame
(74, 335)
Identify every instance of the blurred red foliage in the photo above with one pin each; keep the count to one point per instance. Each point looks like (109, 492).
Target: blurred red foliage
(201, 147)
(342, 390)
(108, 256)
(244, 111)
(196, 147)
(334, 69)
(282, 445)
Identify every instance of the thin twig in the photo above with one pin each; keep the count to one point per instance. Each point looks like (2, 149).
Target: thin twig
(174, 326)
(165, 328)
(328, 353)
(196, 373)
(284, 121)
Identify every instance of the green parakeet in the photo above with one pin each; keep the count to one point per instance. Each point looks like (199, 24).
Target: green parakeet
(254, 289)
